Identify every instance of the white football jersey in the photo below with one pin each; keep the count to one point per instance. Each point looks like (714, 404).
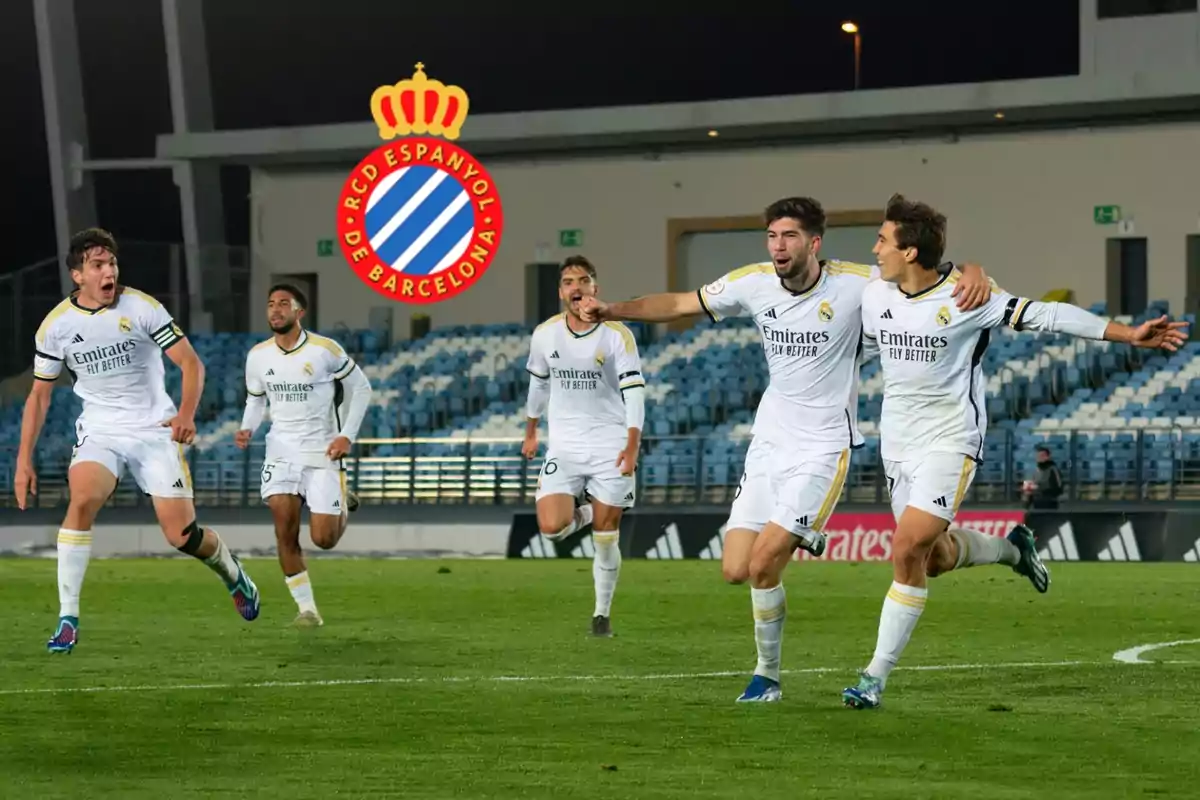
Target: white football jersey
(811, 341)
(114, 357)
(931, 355)
(303, 394)
(587, 374)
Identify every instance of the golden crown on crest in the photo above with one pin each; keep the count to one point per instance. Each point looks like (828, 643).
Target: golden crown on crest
(419, 105)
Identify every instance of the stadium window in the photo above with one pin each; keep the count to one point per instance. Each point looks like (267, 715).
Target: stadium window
(1119, 9)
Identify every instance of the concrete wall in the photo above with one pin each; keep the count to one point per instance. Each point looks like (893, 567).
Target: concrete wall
(1020, 204)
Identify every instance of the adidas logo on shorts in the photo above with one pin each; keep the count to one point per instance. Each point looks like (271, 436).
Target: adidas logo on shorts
(941, 501)
(178, 483)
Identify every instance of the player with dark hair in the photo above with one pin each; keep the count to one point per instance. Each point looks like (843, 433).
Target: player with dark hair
(934, 416)
(318, 398)
(586, 378)
(110, 338)
(808, 312)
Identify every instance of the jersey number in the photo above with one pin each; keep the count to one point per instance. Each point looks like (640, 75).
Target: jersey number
(738, 491)
(266, 473)
(550, 467)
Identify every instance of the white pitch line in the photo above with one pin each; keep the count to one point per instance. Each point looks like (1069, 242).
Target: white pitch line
(1134, 654)
(849, 671)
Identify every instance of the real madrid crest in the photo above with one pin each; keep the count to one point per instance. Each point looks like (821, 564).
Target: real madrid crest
(825, 311)
(943, 316)
(125, 325)
(308, 369)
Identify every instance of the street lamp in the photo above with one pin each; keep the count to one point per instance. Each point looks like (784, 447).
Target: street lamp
(852, 28)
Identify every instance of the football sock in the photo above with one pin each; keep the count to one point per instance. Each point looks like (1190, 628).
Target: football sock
(74, 551)
(579, 520)
(221, 562)
(770, 610)
(901, 609)
(976, 549)
(606, 568)
(302, 592)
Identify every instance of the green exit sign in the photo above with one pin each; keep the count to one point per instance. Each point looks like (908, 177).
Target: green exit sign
(1106, 215)
(324, 248)
(570, 238)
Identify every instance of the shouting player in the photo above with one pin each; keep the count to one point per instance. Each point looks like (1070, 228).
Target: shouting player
(111, 339)
(934, 416)
(589, 375)
(306, 379)
(808, 312)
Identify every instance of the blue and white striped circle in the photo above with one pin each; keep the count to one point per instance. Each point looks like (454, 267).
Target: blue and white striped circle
(419, 220)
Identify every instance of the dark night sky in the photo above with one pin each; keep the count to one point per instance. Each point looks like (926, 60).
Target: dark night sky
(292, 62)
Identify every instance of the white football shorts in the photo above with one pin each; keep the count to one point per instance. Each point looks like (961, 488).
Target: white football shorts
(797, 491)
(935, 483)
(158, 464)
(594, 473)
(323, 489)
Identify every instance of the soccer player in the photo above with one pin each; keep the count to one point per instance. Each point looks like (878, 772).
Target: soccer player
(306, 379)
(934, 416)
(589, 377)
(808, 313)
(111, 338)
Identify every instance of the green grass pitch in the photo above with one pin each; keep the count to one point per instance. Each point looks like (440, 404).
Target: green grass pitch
(442, 679)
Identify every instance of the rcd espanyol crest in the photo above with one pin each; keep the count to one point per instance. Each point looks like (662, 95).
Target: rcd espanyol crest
(419, 219)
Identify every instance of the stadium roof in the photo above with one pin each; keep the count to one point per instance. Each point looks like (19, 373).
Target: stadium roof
(921, 111)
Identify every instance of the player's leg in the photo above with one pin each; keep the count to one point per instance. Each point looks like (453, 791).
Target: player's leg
(91, 480)
(612, 494)
(560, 482)
(325, 492)
(285, 513)
(809, 493)
(751, 508)
(960, 548)
(606, 563)
(282, 489)
(932, 490)
(160, 468)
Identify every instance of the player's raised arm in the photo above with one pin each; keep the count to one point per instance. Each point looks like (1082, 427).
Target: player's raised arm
(666, 307)
(1023, 314)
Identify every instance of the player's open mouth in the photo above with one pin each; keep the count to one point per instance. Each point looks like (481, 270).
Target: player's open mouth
(782, 262)
(575, 298)
(107, 286)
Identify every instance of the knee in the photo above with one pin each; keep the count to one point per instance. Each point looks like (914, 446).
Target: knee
(189, 540)
(324, 539)
(735, 574)
(552, 526)
(763, 572)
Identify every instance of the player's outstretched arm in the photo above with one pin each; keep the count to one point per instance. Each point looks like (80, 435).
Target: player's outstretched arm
(1157, 334)
(184, 356)
(32, 420)
(666, 307)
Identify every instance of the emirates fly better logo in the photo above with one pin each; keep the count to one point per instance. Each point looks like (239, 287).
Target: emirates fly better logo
(419, 220)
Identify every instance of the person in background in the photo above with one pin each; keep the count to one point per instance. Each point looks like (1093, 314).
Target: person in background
(1045, 487)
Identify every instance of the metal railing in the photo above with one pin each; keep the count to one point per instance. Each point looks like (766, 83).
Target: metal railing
(491, 471)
